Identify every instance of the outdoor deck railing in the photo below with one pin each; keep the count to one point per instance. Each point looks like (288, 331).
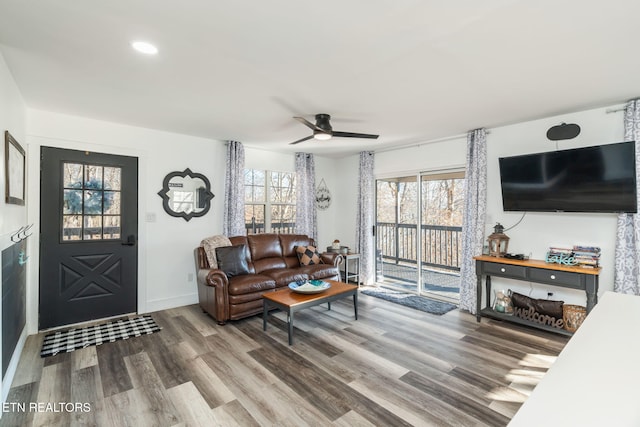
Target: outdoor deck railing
(276, 227)
(441, 244)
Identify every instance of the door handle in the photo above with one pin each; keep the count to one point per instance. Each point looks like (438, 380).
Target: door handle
(131, 241)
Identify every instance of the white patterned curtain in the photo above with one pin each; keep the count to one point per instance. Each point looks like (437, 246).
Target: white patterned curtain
(306, 214)
(475, 207)
(233, 217)
(627, 254)
(365, 219)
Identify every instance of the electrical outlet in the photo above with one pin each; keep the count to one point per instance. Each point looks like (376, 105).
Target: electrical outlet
(190, 277)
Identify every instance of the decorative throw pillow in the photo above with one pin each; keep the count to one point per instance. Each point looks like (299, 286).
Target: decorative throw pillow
(232, 260)
(210, 244)
(308, 255)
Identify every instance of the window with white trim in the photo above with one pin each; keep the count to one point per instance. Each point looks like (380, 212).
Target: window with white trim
(269, 201)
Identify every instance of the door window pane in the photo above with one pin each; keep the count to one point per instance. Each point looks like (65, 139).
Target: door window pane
(111, 227)
(72, 202)
(112, 202)
(92, 202)
(93, 177)
(92, 227)
(112, 178)
(91, 198)
(72, 175)
(71, 227)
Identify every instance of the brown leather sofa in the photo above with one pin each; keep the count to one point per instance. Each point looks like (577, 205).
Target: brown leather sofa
(273, 264)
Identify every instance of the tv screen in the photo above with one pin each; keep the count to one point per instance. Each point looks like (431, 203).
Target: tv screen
(589, 179)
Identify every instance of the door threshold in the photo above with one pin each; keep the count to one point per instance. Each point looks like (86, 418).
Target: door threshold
(88, 322)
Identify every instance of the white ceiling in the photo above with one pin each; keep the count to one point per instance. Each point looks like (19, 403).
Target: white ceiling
(409, 70)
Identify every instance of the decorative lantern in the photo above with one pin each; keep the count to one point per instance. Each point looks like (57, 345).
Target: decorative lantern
(498, 241)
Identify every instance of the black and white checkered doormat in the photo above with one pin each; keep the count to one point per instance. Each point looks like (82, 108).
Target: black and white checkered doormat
(121, 329)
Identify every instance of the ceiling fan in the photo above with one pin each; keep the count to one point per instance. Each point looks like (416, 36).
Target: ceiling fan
(322, 130)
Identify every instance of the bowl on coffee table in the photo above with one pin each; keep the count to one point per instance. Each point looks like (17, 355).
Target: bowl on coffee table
(309, 286)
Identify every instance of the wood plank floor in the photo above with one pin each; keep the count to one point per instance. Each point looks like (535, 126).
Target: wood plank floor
(394, 366)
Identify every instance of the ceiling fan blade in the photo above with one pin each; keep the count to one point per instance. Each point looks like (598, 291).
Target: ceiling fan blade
(301, 140)
(354, 135)
(307, 123)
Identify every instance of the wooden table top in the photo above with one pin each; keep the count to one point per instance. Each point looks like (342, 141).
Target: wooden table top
(537, 263)
(286, 296)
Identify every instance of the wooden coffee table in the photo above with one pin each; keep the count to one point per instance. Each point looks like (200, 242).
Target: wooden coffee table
(291, 302)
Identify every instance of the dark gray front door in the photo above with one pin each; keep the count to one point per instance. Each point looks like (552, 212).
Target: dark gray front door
(89, 228)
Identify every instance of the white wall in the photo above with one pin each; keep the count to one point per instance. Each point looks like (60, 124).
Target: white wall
(345, 191)
(325, 169)
(538, 230)
(12, 217)
(12, 118)
(444, 155)
(165, 250)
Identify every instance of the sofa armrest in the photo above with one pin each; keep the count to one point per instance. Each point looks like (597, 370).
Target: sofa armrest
(333, 258)
(214, 277)
(216, 303)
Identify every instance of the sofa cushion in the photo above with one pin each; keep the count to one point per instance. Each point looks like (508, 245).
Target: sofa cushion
(250, 283)
(210, 244)
(308, 255)
(284, 276)
(264, 246)
(288, 242)
(321, 271)
(232, 260)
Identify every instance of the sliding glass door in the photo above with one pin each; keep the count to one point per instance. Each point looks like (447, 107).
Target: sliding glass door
(418, 225)
(396, 232)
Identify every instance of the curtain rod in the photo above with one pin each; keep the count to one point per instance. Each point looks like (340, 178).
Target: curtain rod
(614, 110)
(431, 141)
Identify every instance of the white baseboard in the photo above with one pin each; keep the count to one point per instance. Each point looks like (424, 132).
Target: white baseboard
(165, 303)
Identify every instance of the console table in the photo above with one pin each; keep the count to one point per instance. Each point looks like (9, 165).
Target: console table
(537, 271)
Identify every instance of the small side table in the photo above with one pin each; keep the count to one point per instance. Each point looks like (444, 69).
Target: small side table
(351, 274)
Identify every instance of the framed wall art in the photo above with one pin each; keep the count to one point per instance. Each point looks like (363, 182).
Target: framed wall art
(14, 158)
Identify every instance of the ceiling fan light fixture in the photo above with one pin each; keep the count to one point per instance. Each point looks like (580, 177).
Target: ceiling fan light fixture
(323, 131)
(321, 136)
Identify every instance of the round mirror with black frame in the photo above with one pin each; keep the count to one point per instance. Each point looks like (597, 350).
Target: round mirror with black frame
(186, 194)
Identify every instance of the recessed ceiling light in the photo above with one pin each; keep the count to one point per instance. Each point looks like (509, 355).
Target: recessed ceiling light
(144, 47)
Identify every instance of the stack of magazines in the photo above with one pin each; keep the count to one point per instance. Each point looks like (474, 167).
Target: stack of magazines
(587, 256)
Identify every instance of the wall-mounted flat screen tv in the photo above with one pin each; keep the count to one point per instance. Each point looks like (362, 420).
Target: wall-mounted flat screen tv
(589, 179)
